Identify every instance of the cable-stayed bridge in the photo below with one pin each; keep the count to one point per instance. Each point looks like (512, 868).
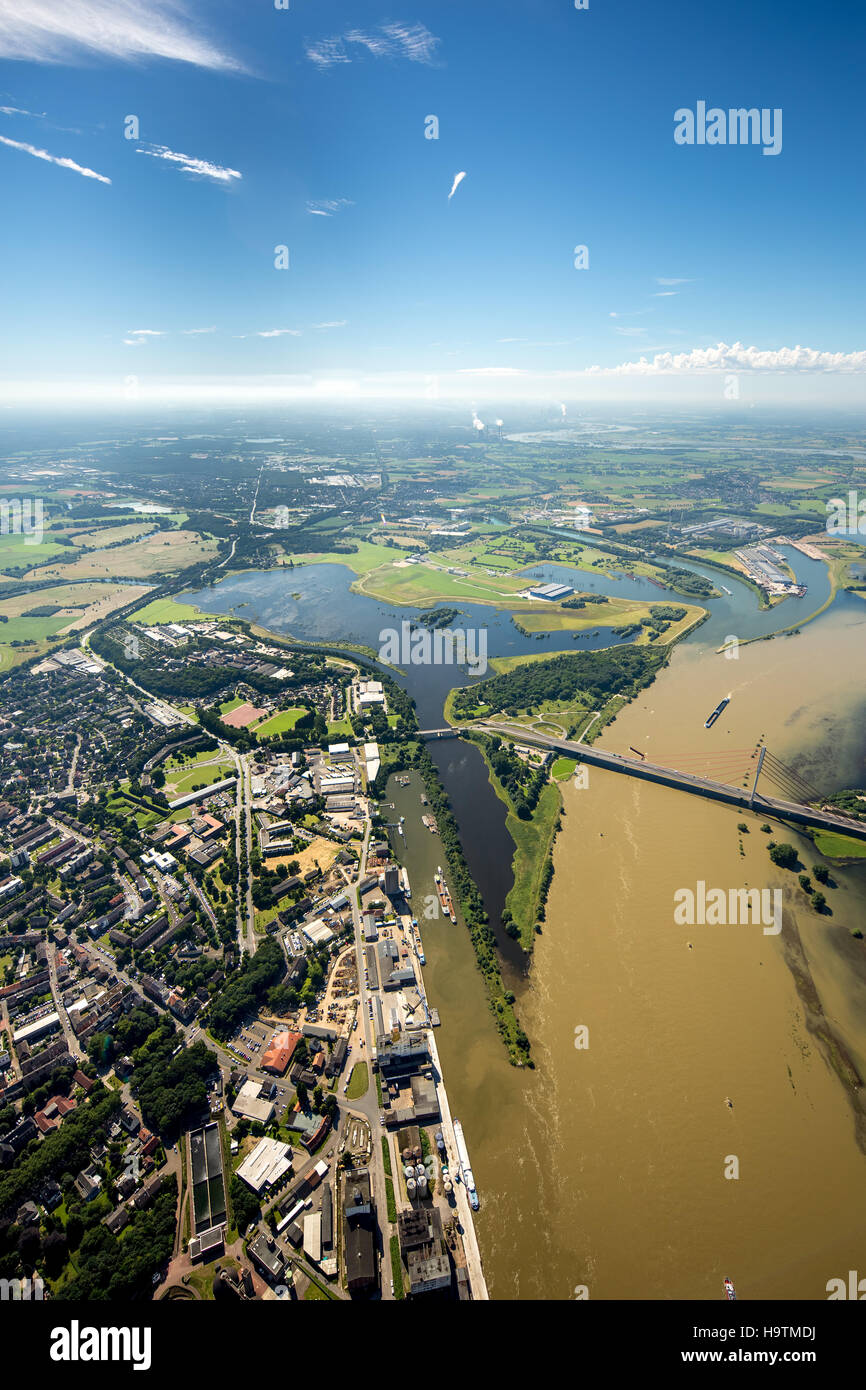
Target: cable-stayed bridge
(754, 779)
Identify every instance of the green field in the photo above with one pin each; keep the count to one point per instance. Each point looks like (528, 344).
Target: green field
(368, 557)
(358, 1082)
(839, 846)
(167, 610)
(280, 723)
(17, 552)
(180, 785)
(562, 769)
(75, 603)
(340, 729)
(228, 705)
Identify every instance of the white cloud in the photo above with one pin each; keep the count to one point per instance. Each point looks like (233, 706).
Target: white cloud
(17, 111)
(735, 358)
(275, 333)
(664, 294)
(458, 179)
(194, 332)
(188, 164)
(336, 323)
(62, 163)
(74, 31)
(326, 207)
(139, 336)
(327, 52)
(411, 41)
(672, 280)
(629, 330)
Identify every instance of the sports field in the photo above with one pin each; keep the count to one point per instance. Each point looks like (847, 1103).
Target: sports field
(280, 723)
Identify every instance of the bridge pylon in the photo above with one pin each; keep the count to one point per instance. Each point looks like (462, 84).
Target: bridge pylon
(757, 775)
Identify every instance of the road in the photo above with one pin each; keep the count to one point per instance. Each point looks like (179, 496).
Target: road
(231, 555)
(71, 1041)
(368, 1105)
(243, 817)
(682, 781)
(70, 783)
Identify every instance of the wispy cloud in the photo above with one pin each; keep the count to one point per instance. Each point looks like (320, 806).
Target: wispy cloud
(18, 111)
(273, 333)
(194, 332)
(139, 336)
(411, 41)
(75, 31)
(458, 179)
(672, 280)
(630, 330)
(736, 357)
(61, 162)
(326, 207)
(336, 323)
(189, 164)
(665, 294)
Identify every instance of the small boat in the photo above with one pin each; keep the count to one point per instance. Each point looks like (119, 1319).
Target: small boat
(730, 1291)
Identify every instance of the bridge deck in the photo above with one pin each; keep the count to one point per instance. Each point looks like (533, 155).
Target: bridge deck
(683, 781)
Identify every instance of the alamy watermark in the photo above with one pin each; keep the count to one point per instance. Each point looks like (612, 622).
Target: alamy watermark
(737, 126)
(855, 1289)
(77, 1343)
(22, 517)
(714, 907)
(418, 646)
(23, 1290)
(847, 516)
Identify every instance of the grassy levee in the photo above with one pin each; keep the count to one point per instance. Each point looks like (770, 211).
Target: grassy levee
(533, 843)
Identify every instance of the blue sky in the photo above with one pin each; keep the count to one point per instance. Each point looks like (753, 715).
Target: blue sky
(563, 122)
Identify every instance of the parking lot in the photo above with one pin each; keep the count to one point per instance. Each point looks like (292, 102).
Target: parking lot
(249, 1042)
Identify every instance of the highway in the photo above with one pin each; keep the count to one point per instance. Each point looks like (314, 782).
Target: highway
(682, 781)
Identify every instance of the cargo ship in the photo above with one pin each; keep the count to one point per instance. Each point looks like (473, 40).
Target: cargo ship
(430, 823)
(465, 1168)
(730, 1291)
(723, 704)
(444, 895)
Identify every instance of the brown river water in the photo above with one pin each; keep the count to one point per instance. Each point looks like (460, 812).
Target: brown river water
(605, 1167)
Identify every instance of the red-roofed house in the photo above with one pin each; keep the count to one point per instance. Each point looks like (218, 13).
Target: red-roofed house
(279, 1054)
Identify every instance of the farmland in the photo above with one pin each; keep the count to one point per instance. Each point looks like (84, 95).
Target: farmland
(77, 606)
(161, 553)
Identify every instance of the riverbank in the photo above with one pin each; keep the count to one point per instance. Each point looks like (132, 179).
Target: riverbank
(532, 863)
(467, 899)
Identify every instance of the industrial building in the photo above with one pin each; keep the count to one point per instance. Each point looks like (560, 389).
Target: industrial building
(206, 1172)
(552, 592)
(266, 1165)
(359, 1232)
(423, 1249)
(250, 1104)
